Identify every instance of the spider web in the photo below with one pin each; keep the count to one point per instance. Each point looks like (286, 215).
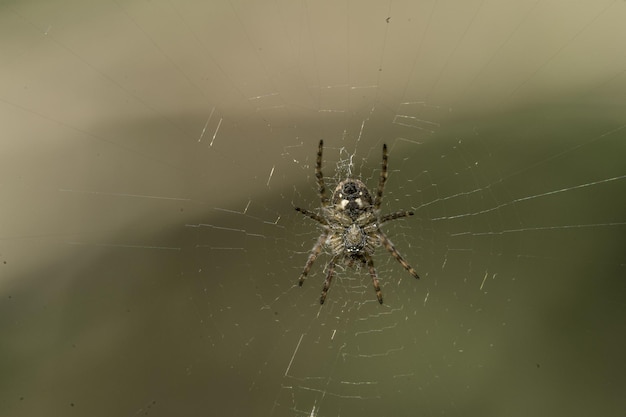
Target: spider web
(160, 209)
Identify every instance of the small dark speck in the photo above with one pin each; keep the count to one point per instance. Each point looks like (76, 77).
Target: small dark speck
(10, 296)
(388, 19)
(21, 398)
(538, 366)
(5, 262)
(275, 313)
(71, 404)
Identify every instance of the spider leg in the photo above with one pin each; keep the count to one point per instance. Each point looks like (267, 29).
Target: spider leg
(320, 177)
(383, 178)
(329, 277)
(394, 252)
(393, 216)
(312, 257)
(312, 215)
(370, 266)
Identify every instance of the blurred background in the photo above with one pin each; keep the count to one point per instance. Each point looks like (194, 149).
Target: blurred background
(152, 153)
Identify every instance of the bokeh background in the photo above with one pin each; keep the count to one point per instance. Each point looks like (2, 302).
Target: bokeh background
(152, 154)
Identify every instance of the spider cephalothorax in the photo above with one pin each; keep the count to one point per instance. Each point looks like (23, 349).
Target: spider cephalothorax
(351, 225)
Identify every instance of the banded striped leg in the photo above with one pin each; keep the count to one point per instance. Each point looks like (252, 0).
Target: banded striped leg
(312, 257)
(381, 181)
(329, 277)
(320, 177)
(370, 266)
(394, 252)
(312, 215)
(393, 216)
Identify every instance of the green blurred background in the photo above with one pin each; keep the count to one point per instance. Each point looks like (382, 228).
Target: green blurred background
(152, 153)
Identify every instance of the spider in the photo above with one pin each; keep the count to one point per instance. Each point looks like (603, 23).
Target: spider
(351, 223)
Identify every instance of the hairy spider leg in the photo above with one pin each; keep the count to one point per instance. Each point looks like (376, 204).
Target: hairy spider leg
(320, 177)
(394, 252)
(329, 277)
(312, 215)
(381, 181)
(393, 216)
(313, 256)
(370, 266)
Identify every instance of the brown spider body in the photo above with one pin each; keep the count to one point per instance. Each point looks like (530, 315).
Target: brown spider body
(351, 220)
(351, 226)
